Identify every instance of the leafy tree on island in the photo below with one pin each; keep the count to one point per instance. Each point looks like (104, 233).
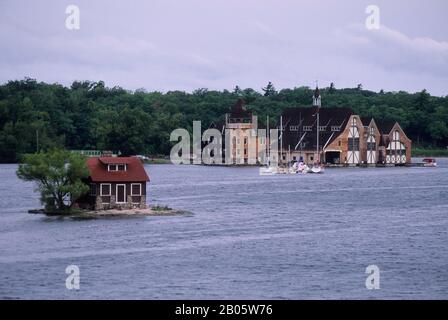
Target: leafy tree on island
(59, 175)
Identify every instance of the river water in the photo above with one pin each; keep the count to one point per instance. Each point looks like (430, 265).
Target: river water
(247, 237)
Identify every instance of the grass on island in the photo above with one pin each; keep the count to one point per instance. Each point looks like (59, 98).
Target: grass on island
(161, 208)
(429, 152)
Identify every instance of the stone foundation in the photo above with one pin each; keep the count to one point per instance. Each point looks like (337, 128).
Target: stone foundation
(99, 205)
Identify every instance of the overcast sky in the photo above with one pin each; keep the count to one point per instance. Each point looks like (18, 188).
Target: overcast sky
(217, 44)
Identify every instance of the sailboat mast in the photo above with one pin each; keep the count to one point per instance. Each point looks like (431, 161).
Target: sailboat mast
(289, 156)
(300, 135)
(281, 139)
(268, 142)
(318, 160)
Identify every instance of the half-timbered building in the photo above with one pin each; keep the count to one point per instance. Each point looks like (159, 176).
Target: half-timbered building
(341, 137)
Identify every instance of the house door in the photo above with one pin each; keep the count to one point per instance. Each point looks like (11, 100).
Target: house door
(121, 193)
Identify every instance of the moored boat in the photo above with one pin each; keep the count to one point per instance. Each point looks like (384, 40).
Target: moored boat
(429, 162)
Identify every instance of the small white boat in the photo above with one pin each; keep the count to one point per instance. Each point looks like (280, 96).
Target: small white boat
(429, 162)
(267, 171)
(316, 169)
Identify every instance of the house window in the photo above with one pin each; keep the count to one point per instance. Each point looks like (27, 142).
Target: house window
(105, 189)
(307, 128)
(322, 128)
(238, 141)
(136, 189)
(93, 189)
(116, 167)
(245, 140)
(293, 128)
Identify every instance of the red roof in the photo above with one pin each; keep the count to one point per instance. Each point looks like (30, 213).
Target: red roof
(135, 172)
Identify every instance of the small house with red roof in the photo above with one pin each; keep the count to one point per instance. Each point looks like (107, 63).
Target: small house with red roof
(115, 183)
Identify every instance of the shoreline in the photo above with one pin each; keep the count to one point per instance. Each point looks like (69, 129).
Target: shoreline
(117, 213)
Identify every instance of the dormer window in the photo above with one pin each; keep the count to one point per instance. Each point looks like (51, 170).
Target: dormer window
(335, 128)
(307, 128)
(116, 167)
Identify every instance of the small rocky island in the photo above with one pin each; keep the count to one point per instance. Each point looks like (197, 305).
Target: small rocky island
(76, 186)
(96, 214)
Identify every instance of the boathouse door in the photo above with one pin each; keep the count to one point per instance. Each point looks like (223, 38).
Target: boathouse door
(121, 193)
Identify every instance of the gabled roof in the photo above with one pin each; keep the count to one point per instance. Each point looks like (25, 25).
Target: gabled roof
(135, 172)
(385, 126)
(306, 116)
(366, 121)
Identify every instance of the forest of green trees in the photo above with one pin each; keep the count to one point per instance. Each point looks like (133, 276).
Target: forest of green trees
(89, 115)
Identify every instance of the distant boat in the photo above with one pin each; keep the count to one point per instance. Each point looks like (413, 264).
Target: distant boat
(141, 157)
(267, 171)
(300, 167)
(317, 169)
(429, 162)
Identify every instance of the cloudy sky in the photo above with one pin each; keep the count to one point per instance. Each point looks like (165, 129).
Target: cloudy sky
(187, 44)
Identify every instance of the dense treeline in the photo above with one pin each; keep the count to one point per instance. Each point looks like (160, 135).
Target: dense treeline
(89, 115)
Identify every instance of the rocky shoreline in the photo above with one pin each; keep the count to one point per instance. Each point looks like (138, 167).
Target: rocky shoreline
(95, 214)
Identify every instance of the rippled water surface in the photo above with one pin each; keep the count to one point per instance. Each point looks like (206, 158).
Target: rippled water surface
(249, 236)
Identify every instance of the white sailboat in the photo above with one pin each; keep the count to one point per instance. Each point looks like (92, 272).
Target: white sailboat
(268, 169)
(317, 167)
